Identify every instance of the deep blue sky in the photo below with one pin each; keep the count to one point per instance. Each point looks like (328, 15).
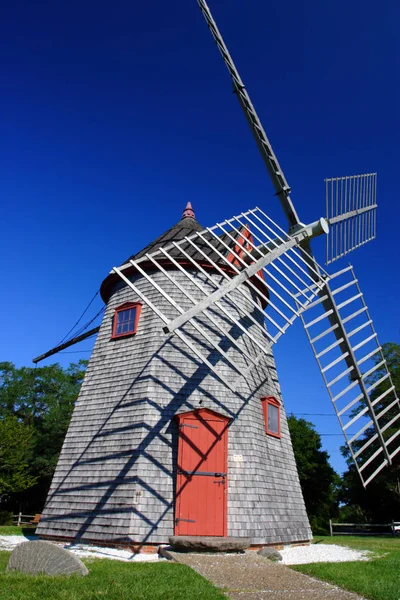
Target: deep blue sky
(113, 116)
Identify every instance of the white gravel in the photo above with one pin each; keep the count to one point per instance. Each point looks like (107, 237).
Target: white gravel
(298, 555)
(9, 542)
(301, 555)
(85, 551)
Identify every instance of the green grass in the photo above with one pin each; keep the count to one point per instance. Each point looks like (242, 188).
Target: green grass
(15, 530)
(377, 579)
(110, 580)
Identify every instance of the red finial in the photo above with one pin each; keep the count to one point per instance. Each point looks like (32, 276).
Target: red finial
(188, 212)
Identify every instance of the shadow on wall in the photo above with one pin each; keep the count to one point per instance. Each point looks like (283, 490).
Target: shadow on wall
(179, 399)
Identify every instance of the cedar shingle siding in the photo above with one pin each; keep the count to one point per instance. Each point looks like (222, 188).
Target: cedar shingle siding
(116, 474)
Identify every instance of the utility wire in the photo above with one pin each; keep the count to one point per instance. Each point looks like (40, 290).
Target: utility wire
(82, 329)
(73, 351)
(319, 415)
(80, 318)
(313, 414)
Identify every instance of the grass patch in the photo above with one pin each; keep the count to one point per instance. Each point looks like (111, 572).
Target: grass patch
(377, 579)
(15, 530)
(110, 580)
(380, 543)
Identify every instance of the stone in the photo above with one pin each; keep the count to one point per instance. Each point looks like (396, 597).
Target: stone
(188, 543)
(167, 552)
(270, 553)
(44, 557)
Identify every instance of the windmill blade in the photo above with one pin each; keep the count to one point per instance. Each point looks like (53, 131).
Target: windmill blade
(282, 188)
(223, 280)
(362, 393)
(278, 179)
(350, 212)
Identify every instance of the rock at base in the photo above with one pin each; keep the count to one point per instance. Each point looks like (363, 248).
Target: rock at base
(188, 543)
(44, 557)
(270, 553)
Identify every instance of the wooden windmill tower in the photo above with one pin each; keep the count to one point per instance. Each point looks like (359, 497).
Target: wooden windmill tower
(179, 427)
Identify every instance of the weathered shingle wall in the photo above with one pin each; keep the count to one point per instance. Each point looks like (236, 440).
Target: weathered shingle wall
(116, 473)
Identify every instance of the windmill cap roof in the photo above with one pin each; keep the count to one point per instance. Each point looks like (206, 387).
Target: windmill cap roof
(186, 226)
(207, 250)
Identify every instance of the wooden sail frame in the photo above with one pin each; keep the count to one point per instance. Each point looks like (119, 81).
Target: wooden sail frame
(268, 269)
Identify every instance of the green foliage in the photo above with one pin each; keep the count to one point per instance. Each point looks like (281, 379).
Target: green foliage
(352, 513)
(377, 579)
(391, 352)
(318, 480)
(380, 502)
(41, 400)
(111, 580)
(6, 519)
(16, 441)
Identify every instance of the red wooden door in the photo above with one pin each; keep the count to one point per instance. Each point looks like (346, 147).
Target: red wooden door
(201, 490)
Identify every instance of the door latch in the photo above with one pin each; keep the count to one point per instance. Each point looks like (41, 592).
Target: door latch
(184, 520)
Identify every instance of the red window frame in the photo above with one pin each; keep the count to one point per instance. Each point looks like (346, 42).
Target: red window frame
(271, 401)
(119, 309)
(244, 242)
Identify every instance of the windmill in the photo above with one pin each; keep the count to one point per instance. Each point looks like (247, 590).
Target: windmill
(179, 426)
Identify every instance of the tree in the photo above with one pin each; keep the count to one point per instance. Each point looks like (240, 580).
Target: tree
(16, 442)
(380, 502)
(41, 399)
(318, 480)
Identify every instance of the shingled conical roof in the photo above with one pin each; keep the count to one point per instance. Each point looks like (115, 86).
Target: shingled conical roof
(186, 226)
(210, 246)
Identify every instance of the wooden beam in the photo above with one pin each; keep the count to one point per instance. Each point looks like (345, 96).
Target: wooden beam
(74, 340)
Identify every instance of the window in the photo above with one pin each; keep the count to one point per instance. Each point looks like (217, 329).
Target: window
(126, 319)
(272, 416)
(244, 242)
(244, 245)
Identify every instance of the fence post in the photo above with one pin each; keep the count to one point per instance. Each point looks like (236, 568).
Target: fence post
(19, 519)
(330, 528)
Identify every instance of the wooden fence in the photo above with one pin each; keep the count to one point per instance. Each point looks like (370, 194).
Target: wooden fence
(21, 519)
(392, 528)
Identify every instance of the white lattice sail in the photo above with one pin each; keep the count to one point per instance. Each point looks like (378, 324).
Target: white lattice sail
(246, 252)
(350, 212)
(355, 372)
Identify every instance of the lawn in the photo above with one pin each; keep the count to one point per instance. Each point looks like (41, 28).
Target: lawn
(15, 530)
(377, 579)
(110, 580)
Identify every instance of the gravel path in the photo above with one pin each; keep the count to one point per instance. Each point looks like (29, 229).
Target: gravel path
(251, 577)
